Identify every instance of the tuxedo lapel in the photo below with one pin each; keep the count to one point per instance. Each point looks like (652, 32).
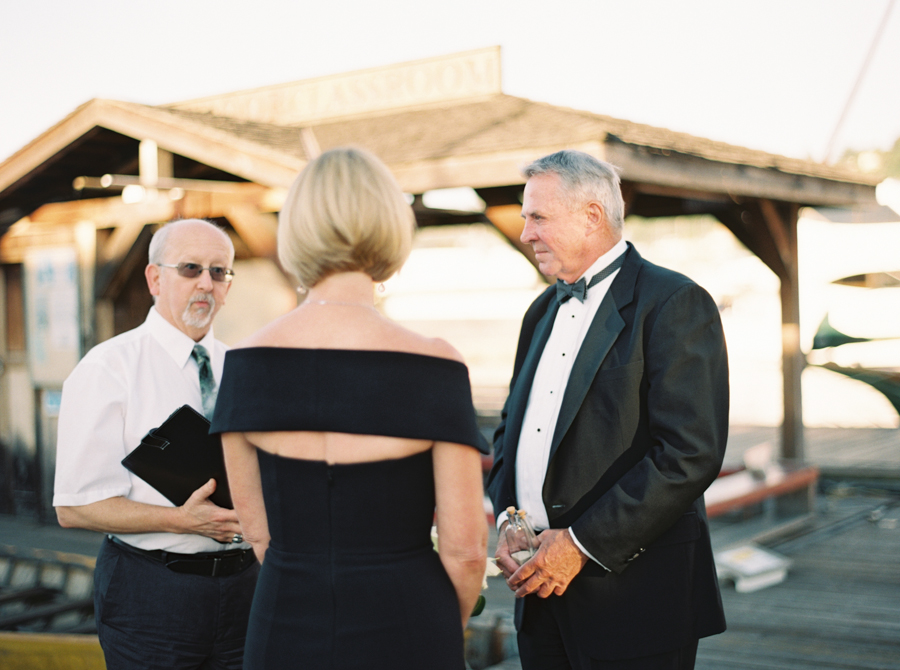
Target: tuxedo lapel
(518, 399)
(601, 336)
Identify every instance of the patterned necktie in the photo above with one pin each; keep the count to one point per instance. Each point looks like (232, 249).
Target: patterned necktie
(208, 389)
(579, 289)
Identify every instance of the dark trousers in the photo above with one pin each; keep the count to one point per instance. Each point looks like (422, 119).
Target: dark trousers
(150, 617)
(543, 646)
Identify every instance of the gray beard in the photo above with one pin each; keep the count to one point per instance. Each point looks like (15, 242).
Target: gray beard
(196, 319)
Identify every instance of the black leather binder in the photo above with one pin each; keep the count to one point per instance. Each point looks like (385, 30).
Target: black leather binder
(181, 456)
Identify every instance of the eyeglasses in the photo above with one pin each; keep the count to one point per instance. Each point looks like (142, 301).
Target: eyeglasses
(191, 270)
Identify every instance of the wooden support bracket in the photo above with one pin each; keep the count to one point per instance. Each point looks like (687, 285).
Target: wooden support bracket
(257, 229)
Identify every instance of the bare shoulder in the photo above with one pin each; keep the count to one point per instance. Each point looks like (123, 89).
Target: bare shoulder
(427, 346)
(290, 330)
(270, 335)
(443, 349)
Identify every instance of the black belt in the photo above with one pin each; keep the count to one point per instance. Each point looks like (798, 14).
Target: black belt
(210, 564)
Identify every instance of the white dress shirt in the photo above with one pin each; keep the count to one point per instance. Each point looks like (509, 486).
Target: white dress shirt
(572, 322)
(119, 391)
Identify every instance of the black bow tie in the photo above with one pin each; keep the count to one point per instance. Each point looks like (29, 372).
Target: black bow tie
(580, 288)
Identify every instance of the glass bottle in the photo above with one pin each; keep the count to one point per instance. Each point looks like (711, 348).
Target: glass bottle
(519, 535)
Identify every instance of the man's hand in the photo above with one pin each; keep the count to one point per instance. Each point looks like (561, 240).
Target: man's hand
(206, 518)
(551, 569)
(504, 561)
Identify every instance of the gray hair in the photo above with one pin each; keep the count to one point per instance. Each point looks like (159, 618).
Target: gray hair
(160, 239)
(584, 178)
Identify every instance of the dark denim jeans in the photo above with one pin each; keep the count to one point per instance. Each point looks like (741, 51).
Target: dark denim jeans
(150, 617)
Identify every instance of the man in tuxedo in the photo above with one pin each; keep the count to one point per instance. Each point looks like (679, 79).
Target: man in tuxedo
(615, 425)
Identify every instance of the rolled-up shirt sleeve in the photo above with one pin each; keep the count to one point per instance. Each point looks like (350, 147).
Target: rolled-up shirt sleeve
(90, 437)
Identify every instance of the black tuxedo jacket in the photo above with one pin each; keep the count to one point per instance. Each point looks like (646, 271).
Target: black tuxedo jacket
(640, 436)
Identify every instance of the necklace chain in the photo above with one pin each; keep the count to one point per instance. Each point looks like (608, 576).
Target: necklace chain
(337, 302)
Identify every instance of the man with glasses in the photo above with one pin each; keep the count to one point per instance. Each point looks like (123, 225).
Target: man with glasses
(173, 585)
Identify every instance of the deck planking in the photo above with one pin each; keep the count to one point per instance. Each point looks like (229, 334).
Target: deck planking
(839, 607)
(839, 452)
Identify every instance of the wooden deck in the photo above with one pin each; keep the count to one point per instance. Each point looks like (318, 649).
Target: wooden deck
(839, 607)
(839, 452)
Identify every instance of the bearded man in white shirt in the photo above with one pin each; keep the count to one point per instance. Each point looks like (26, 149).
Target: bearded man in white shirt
(615, 424)
(172, 585)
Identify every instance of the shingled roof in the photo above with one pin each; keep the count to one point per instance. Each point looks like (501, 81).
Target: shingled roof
(476, 140)
(500, 123)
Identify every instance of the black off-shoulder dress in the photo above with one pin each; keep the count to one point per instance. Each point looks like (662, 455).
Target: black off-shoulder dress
(350, 579)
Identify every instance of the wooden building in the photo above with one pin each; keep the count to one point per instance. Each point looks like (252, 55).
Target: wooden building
(78, 204)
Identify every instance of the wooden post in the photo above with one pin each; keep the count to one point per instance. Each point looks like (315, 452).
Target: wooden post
(86, 244)
(153, 163)
(793, 360)
(775, 243)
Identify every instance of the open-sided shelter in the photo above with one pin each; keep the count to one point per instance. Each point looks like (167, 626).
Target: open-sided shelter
(78, 204)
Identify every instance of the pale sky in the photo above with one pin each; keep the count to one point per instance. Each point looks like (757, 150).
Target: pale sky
(767, 74)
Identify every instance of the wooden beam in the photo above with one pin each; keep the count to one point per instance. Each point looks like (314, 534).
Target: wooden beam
(104, 212)
(310, 143)
(477, 171)
(121, 241)
(200, 142)
(508, 220)
(257, 229)
(49, 143)
(682, 171)
(51, 224)
(109, 212)
(24, 235)
(653, 206)
(501, 195)
(741, 220)
(199, 204)
(674, 192)
(114, 278)
(777, 228)
(203, 143)
(166, 184)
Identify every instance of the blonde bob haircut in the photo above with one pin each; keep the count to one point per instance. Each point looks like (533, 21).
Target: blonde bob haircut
(344, 213)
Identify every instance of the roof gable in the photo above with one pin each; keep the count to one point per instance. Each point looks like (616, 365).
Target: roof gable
(477, 141)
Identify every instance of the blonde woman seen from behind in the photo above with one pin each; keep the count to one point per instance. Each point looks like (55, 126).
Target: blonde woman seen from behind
(345, 435)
